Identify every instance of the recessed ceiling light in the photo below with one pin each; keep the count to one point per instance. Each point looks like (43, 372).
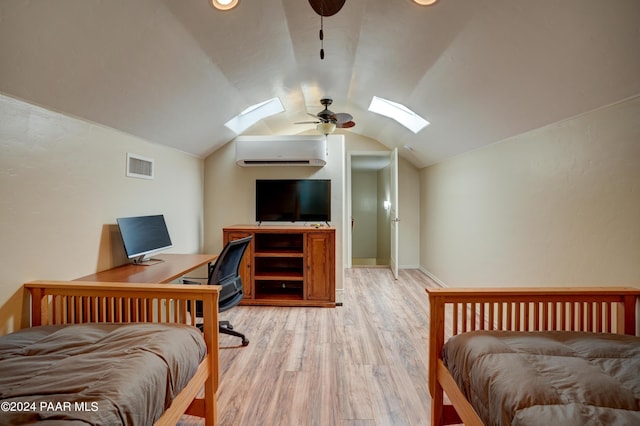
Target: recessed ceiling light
(253, 114)
(224, 4)
(398, 112)
(425, 2)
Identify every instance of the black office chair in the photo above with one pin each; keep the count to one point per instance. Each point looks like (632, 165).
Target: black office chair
(226, 273)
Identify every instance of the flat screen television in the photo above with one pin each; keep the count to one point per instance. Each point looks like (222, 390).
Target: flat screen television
(143, 236)
(293, 200)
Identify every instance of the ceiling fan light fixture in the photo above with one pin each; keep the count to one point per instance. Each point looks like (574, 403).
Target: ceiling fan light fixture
(326, 128)
(224, 4)
(425, 2)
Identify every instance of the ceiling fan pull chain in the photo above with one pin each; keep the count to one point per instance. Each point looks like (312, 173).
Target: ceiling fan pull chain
(321, 39)
(325, 8)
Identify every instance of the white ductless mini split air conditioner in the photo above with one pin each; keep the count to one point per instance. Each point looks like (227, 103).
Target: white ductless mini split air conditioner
(296, 150)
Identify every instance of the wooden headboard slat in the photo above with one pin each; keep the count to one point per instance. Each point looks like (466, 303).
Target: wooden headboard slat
(594, 309)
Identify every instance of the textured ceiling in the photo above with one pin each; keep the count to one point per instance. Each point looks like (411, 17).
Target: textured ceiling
(174, 71)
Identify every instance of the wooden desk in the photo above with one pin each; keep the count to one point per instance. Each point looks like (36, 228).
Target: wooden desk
(173, 267)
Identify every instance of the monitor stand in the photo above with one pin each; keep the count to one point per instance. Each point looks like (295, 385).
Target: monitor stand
(146, 262)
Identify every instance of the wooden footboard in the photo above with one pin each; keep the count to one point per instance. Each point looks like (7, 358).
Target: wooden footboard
(455, 311)
(57, 302)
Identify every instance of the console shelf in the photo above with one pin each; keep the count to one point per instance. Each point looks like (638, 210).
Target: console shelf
(287, 265)
(279, 254)
(279, 275)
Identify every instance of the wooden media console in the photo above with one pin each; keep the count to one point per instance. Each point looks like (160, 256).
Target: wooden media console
(287, 265)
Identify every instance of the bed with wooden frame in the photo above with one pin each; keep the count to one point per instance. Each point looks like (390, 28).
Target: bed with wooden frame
(470, 312)
(56, 302)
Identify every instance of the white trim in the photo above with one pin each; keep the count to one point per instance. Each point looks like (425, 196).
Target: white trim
(350, 154)
(433, 277)
(409, 267)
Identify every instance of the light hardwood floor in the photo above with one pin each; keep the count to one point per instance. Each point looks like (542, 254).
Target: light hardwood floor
(363, 363)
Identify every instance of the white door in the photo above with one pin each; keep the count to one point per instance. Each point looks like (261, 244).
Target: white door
(393, 213)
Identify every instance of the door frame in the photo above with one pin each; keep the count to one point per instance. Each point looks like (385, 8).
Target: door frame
(348, 200)
(394, 214)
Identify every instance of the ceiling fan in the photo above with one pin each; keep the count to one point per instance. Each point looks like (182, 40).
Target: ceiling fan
(328, 120)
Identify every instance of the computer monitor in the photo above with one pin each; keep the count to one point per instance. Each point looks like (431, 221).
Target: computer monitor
(143, 236)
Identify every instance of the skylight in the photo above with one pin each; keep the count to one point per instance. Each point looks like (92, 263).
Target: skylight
(253, 114)
(398, 112)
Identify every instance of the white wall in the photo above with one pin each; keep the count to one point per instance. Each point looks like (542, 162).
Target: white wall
(555, 206)
(364, 207)
(230, 192)
(383, 252)
(62, 186)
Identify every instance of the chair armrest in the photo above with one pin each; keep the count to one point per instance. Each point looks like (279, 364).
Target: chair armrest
(191, 282)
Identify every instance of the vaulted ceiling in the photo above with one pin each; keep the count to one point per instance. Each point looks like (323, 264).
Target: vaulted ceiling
(174, 71)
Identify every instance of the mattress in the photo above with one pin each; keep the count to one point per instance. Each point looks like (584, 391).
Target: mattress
(548, 378)
(98, 374)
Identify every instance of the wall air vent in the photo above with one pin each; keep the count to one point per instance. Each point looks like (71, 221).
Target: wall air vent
(139, 167)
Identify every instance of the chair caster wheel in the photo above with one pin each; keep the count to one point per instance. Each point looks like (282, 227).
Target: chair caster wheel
(229, 327)
(245, 342)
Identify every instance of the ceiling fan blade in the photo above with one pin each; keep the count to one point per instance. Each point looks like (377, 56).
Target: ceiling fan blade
(345, 125)
(342, 117)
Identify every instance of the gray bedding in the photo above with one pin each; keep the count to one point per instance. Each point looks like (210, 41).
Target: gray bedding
(99, 374)
(548, 378)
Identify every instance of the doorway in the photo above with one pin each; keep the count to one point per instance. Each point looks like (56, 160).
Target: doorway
(370, 192)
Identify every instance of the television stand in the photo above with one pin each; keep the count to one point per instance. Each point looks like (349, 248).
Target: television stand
(287, 265)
